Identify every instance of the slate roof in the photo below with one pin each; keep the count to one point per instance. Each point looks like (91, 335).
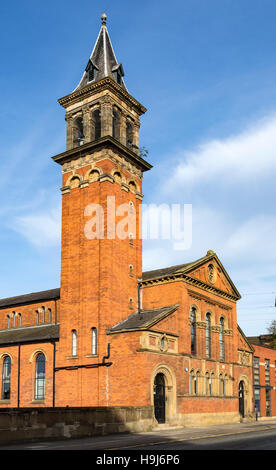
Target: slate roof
(29, 334)
(103, 58)
(165, 271)
(143, 319)
(41, 296)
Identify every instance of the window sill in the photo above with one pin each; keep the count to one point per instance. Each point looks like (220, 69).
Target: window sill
(92, 355)
(5, 402)
(37, 402)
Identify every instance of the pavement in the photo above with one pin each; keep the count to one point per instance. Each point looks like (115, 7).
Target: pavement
(161, 435)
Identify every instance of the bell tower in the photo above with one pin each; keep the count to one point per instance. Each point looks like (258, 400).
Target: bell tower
(101, 249)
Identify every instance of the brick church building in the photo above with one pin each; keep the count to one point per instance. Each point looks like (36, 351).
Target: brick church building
(111, 335)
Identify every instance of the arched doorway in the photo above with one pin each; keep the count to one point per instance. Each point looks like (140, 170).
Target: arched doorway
(241, 398)
(159, 394)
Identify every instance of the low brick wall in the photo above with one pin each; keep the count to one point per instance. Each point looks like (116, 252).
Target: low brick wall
(29, 424)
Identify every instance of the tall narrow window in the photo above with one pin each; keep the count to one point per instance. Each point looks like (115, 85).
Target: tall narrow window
(208, 335)
(96, 123)
(74, 343)
(193, 330)
(49, 315)
(207, 383)
(221, 385)
(94, 340)
(40, 377)
(221, 339)
(6, 378)
(267, 372)
(129, 134)
(78, 131)
(116, 124)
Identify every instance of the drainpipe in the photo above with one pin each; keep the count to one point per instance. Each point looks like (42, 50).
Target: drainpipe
(89, 366)
(139, 298)
(54, 366)
(18, 377)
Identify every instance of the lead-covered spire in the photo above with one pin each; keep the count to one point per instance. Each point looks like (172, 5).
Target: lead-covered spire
(102, 62)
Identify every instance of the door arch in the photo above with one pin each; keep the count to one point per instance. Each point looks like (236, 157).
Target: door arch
(164, 378)
(159, 394)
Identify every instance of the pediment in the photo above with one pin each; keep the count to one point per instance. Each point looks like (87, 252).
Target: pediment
(211, 271)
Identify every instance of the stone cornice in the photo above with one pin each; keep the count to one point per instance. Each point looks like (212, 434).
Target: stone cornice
(105, 83)
(189, 280)
(106, 141)
(199, 296)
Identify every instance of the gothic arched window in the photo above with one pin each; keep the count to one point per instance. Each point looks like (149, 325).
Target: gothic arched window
(221, 339)
(193, 330)
(208, 335)
(6, 378)
(40, 377)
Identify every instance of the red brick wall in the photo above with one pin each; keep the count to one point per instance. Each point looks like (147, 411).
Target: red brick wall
(266, 353)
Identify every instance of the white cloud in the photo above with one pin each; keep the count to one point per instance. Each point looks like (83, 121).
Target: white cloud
(41, 230)
(238, 158)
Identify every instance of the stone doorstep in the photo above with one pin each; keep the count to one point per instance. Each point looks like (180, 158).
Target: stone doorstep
(166, 427)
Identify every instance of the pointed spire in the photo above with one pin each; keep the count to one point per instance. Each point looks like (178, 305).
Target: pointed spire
(102, 62)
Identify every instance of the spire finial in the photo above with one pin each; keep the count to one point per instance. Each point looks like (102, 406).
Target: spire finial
(103, 18)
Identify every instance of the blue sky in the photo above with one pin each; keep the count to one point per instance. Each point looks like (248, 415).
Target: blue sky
(205, 70)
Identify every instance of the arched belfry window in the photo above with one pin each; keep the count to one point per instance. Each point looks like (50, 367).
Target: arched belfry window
(193, 330)
(129, 134)
(96, 124)
(208, 335)
(40, 377)
(116, 124)
(6, 378)
(78, 135)
(221, 339)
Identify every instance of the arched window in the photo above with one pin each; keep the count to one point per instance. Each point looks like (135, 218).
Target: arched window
(221, 339)
(207, 383)
(94, 340)
(192, 386)
(96, 124)
(40, 377)
(116, 124)
(129, 134)
(78, 135)
(221, 385)
(74, 343)
(193, 330)
(211, 383)
(6, 378)
(208, 335)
